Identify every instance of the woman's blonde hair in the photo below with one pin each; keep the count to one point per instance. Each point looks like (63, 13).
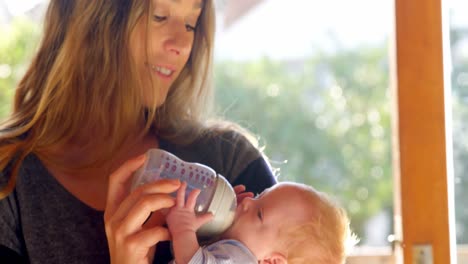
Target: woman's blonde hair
(325, 238)
(82, 79)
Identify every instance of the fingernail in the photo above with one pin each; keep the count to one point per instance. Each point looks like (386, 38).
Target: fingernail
(175, 182)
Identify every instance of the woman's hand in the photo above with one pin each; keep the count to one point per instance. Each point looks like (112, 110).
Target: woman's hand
(131, 236)
(241, 194)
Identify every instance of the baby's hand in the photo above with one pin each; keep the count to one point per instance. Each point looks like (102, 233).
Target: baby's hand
(181, 217)
(241, 194)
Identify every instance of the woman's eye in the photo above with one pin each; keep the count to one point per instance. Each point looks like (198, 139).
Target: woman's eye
(190, 28)
(159, 18)
(259, 214)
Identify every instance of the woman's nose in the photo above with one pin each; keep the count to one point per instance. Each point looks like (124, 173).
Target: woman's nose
(179, 42)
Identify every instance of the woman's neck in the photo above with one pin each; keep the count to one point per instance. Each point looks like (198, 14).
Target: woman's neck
(73, 159)
(89, 184)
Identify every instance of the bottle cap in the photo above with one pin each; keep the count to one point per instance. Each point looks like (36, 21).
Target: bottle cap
(223, 206)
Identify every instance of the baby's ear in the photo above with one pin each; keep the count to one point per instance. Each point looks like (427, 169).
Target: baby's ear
(274, 258)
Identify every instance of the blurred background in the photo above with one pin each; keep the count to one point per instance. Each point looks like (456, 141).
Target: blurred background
(311, 80)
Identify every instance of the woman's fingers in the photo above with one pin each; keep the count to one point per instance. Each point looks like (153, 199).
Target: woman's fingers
(131, 233)
(140, 212)
(161, 186)
(156, 218)
(138, 247)
(149, 237)
(118, 187)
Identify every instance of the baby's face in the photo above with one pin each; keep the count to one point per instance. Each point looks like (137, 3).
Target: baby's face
(258, 220)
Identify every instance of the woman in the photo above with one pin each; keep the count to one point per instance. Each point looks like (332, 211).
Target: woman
(110, 80)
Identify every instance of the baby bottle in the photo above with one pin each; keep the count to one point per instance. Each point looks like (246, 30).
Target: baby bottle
(216, 194)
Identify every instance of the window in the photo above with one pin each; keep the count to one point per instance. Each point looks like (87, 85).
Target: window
(311, 79)
(459, 82)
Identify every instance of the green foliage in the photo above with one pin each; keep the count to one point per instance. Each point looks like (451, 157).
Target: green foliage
(460, 138)
(17, 44)
(325, 123)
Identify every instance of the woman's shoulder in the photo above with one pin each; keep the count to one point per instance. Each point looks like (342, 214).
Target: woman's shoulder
(3, 178)
(6, 172)
(231, 135)
(232, 142)
(217, 137)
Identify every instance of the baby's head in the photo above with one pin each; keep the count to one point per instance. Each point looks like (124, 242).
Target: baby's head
(292, 223)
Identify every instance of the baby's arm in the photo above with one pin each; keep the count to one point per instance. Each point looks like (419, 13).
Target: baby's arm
(183, 224)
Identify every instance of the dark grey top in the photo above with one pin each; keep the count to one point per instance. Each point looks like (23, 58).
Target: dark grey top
(43, 223)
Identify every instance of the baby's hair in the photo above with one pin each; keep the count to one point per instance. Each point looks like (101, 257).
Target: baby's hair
(325, 238)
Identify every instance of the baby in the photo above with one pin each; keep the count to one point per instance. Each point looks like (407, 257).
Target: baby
(287, 223)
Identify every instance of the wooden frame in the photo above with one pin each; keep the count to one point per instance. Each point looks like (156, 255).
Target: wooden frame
(423, 203)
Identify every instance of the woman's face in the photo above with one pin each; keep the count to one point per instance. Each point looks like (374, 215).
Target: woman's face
(161, 44)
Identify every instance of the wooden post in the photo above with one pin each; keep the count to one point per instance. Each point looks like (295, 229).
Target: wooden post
(420, 145)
